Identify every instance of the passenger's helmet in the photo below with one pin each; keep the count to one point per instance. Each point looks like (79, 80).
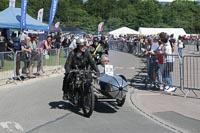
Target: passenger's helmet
(95, 39)
(80, 42)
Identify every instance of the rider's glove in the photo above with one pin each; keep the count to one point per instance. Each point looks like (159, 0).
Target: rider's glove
(98, 74)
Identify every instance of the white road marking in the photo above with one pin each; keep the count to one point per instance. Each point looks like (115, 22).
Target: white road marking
(17, 126)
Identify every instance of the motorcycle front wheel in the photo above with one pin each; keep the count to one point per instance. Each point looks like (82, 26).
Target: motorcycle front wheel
(88, 101)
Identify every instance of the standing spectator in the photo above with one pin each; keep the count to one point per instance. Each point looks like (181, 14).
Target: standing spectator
(152, 59)
(72, 45)
(168, 62)
(180, 45)
(65, 44)
(104, 44)
(57, 43)
(161, 64)
(2, 49)
(26, 56)
(198, 42)
(22, 36)
(172, 42)
(43, 49)
(34, 53)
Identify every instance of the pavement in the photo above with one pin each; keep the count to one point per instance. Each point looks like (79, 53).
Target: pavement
(171, 109)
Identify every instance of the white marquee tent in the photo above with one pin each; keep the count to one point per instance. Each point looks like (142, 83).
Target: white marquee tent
(123, 31)
(153, 31)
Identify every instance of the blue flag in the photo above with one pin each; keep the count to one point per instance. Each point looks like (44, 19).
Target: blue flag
(23, 14)
(54, 5)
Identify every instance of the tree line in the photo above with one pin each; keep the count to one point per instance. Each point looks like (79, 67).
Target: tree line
(118, 13)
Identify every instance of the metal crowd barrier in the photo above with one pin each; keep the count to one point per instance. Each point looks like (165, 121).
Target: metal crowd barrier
(15, 64)
(129, 47)
(191, 72)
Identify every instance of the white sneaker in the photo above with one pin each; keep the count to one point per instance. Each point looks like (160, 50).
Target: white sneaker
(166, 88)
(161, 88)
(171, 89)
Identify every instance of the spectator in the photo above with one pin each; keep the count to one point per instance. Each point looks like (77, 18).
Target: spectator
(180, 45)
(168, 62)
(198, 42)
(22, 36)
(65, 44)
(57, 43)
(34, 51)
(43, 49)
(161, 64)
(152, 59)
(73, 43)
(26, 56)
(104, 44)
(3, 46)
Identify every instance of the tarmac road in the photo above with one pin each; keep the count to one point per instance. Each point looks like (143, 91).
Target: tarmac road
(36, 106)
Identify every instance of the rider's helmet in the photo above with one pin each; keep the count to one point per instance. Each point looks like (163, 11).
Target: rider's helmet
(80, 42)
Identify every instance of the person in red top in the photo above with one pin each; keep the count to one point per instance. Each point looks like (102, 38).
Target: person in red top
(161, 64)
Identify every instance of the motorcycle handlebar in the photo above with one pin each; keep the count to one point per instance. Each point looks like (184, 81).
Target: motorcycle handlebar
(79, 71)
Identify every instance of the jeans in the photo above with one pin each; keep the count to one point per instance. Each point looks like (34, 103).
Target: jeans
(168, 73)
(169, 79)
(2, 59)
(160, 73)
(180, 51)
(67, 50)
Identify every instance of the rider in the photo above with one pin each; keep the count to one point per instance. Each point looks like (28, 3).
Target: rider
(97, 50)
(79, 57)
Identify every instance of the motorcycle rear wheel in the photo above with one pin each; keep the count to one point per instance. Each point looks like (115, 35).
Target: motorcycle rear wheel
(88, 101)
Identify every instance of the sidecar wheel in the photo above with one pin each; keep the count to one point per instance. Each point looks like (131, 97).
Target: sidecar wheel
(121, 102)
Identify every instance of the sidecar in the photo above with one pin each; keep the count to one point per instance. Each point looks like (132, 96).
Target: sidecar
(113, 87)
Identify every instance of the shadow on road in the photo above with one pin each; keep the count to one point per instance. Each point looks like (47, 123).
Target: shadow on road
(65, 106)
(105, 107)
(100, 107)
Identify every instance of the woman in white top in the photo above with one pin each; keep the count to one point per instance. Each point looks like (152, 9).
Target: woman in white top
(180, 45)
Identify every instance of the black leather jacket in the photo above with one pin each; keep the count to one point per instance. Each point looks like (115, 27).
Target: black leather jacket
(82, 62)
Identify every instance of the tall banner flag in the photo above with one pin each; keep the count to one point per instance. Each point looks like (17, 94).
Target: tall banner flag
(11, 3)
(54, 5)
(40, 14)
(23, 14)
(57, 24)
(100, 29)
